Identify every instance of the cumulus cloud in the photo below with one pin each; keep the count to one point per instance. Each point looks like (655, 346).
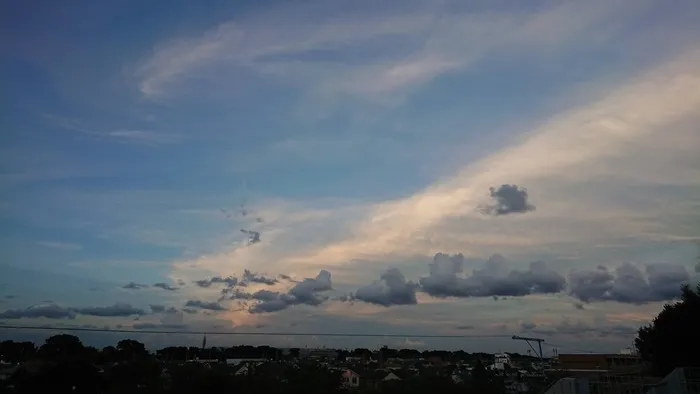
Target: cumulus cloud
(252, 277)
(391, 289)
(659, 282)
(118, 309)
(134, 286)
(49, 311)
(508, 199)
(495, 279)
(305, 292)
(165, 286)
(228, 281)
(211, 306)
(157, 308)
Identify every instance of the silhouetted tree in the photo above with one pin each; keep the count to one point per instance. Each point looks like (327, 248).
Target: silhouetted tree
(12, 351)
(673, 337)
(60, 347)
(130, 349)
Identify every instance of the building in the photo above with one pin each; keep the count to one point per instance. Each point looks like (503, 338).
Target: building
(351, 378)
(679, 381)
(597, 364)
(500, 361)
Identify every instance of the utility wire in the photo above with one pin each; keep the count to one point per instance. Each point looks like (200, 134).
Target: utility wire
(302, 334)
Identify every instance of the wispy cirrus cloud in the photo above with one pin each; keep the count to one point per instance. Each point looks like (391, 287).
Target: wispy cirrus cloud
(147, 137)
(67, 246)
(338, 51)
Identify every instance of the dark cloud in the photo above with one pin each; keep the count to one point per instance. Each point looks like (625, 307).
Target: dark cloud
(253, 236)
(9, 296)
(50, 311)
(165, 286)
(508, 199)
(527, 326)
(467, 327)
(159, 326)
(304, 292)
(180, 282)
(252, 277)
(118, 309)
(190, 311)
(659, 282)
(211, 306)
(134, 286)
(157, 308)
(391, 289)
(230, 281)
(495, 279)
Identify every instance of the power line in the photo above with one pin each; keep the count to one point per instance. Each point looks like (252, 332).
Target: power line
(301, 334)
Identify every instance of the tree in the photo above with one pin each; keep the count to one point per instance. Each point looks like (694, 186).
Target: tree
(16, 351)
(672, 339)
(61, 346)
(130, 349)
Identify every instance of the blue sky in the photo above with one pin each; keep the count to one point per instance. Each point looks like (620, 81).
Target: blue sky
(357, 138)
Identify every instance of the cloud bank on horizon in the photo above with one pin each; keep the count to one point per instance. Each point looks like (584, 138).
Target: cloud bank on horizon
(352, 166)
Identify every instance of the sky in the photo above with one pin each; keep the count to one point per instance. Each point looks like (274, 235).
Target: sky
(479, 169)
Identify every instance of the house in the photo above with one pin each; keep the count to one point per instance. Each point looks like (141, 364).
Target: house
(351, 379)
(500, 361)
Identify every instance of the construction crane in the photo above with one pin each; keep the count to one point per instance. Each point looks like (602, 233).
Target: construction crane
(529, 342)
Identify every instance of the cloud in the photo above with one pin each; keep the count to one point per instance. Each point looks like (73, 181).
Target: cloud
(508, 199)
(628, 284)
(116, 310)
(165, 286)
(253, 236)
(464, 327)
(304, 292)
(147, 137)
(391, 289)
(50, 311)
(697, 267)
(159, 326)
(495, 279)
(134, 286)
(211, 306)
(527, 326)
(190, 311)
(157, 308)
(61, 245)
(230, 281)
(579, 306)
(252, 277)
(427, 40)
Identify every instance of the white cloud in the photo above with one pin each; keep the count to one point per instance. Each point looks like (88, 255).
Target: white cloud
(558, 161)
(371, 53)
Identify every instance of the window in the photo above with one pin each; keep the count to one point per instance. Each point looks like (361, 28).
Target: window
(354, 380)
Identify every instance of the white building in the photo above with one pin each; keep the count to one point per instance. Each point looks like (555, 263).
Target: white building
(500, 361)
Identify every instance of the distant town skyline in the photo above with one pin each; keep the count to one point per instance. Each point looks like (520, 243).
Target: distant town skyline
(401, 167)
